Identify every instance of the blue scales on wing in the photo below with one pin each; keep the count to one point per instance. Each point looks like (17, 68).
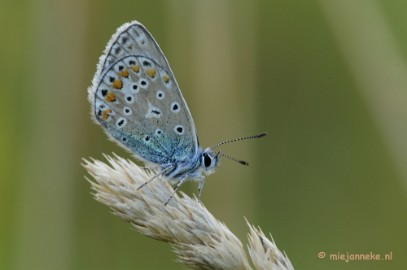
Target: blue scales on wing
(137, 100)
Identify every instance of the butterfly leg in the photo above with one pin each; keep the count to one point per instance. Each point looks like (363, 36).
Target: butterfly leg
(180, 182)
(154, 177)
(200, 186)
(148, 181)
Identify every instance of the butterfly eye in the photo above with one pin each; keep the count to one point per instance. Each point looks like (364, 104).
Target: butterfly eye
(207, 160)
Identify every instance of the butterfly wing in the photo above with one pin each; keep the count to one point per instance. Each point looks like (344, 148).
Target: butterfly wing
(137, 100)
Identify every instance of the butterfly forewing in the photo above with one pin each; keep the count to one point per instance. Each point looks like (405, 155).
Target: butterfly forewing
(131, 39)
(137, 99)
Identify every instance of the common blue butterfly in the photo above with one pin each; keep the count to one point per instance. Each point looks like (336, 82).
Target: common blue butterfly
(136, 99)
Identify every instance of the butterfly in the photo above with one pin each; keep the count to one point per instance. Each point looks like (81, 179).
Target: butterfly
(136, 99)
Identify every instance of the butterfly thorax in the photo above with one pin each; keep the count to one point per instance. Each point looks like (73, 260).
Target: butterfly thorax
(204, 162)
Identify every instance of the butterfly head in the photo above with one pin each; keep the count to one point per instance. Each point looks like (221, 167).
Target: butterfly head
(210, 160)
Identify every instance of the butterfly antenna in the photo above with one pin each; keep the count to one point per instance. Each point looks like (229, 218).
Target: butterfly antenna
(236, 140)
(240, 139)
(234, 159)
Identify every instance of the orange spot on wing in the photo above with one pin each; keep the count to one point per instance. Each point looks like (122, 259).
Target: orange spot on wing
(135, 68)
(124, 73)
(151, 72)
(166, 78)
(110, 97)
(117, 84)
(106, 114)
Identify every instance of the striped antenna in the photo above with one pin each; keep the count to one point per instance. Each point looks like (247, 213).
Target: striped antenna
(236, 140)
(234, 159)
(240, 139)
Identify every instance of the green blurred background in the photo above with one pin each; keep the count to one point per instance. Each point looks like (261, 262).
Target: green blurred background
(326, 79)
